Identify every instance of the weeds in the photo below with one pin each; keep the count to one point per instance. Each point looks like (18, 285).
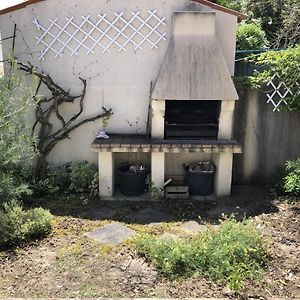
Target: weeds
(231, 254)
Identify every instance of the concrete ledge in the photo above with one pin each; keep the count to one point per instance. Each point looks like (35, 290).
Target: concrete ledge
(139, 143)
(103, 298)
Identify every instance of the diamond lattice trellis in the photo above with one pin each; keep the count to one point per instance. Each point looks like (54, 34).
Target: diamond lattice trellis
(279, 92)
(119, 31)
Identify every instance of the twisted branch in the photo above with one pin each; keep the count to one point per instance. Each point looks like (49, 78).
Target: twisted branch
(42, 127)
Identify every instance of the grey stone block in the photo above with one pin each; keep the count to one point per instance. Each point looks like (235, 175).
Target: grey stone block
(111, 234)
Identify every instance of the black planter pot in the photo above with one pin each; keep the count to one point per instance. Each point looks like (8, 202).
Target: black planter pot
(132, 183)
(200, 177)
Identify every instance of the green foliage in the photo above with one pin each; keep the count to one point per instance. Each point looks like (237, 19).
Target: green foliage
(18, 226)
(157, 193)
(268, 13)
(231, 254)
(232, 4)
(78, 177)
(15, 142)
(291, 180)
(241, 81)
(250, 36)
(83, 177)
(285, 64)
(279, 19)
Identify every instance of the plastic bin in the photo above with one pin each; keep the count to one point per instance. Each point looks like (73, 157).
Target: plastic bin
(132, 183)
(200, 177)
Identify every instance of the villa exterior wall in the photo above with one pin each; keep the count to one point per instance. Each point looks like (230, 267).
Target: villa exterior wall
(119, 80)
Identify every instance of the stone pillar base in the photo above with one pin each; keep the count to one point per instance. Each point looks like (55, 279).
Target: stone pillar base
(158, 168)
(106, 174)
(223, 176)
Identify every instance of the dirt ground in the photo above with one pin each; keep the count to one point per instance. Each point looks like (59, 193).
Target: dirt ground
(68, 264)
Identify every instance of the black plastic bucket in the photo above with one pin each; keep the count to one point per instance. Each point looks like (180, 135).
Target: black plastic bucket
(200, 177)
(132, 183)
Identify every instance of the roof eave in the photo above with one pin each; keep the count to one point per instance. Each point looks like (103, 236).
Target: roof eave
(18, 6)
(218, 7)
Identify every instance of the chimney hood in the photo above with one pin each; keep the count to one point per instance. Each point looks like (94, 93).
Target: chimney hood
(194, 67)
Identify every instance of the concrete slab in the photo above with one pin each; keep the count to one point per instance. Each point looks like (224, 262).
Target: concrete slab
(111, 234)
(150, 215)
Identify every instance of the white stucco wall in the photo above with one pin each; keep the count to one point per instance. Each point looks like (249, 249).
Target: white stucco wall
(117, 80)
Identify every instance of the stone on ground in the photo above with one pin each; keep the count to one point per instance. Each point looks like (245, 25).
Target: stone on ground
(111, 234)
(192, 227)
(150, 215)
(168, 237)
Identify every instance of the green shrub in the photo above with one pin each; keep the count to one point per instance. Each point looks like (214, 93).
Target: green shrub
(15, 141)
(83, 177)
(291, 180)
(250, 36)
(18, 226)
(79, 177)
(231, 254)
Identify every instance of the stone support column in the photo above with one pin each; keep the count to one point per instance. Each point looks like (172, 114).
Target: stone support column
(106, 174)
(158, 168)
(223, 175)
(158, 119)
(226, 120)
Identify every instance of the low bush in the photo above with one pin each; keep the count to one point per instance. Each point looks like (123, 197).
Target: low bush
(79, 177)
(231, 254)
(291, 179)
(83, 177)
(18, 226)
(250, 36)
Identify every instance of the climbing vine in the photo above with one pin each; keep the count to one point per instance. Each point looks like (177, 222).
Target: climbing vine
(48, 111)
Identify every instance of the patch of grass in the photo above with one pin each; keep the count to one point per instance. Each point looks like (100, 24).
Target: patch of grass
(156, 229)
(68, 226)
(233, 253)
(76, 249)
(104, 249)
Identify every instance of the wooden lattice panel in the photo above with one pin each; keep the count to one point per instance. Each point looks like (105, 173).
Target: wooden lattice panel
(120, 30)
(279, 91)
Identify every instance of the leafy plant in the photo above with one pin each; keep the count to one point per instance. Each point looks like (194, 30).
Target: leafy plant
(157, 193)
(285, 66)
(18, 226)
(291, 181)
(78, 177)
(250, 36)
(15, 141)
(231, 254)
(83, 178)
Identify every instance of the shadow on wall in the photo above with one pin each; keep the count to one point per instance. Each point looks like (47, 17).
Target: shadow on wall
(268, 138)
